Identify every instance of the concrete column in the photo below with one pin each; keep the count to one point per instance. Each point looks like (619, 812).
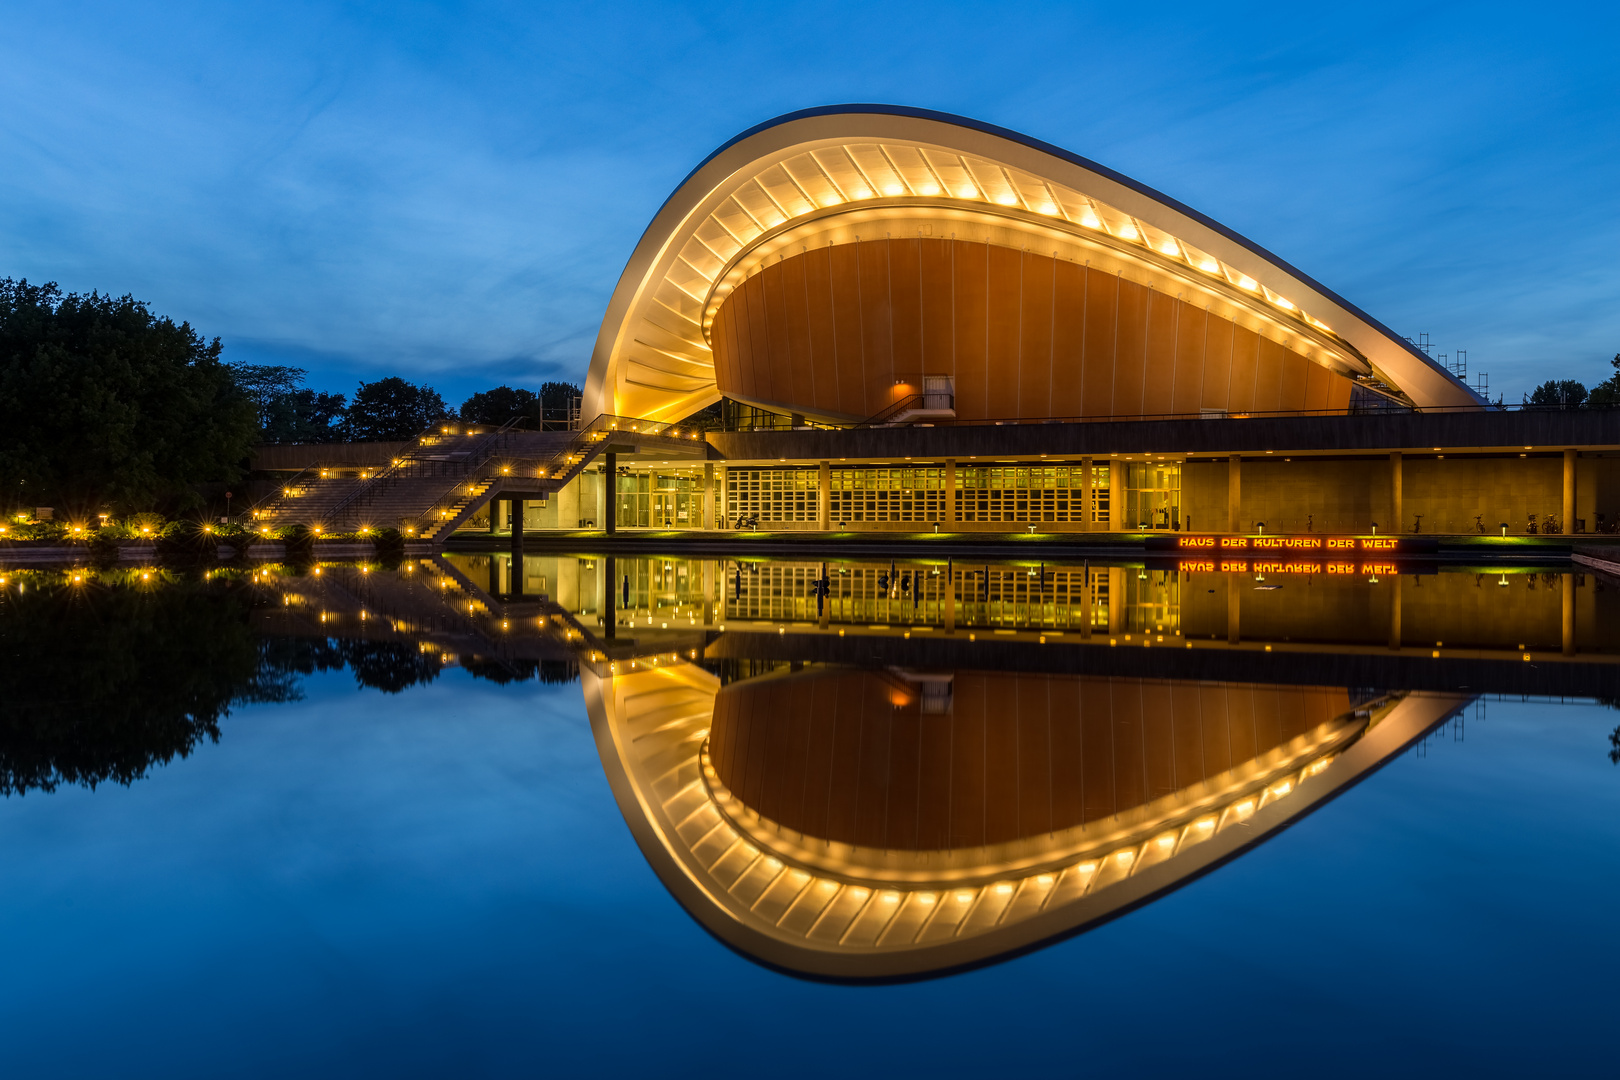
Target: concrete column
(1397, 508)
(610, 494)
(824, 496)
(1086, 524)
(1569, 492)
(1116, 505)
(497, 514)
(1395, 611)
(1234, 495)
(708, 505)
(1085, 584)
(1568, 582)
(708, 592)
(724, 511)
(1116, 595)
(950, 521)
(1234, 607)
(516, 512)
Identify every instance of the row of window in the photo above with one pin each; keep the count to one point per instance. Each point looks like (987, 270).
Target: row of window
(984, 493)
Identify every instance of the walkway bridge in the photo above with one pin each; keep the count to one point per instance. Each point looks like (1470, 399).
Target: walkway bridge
(449, 474)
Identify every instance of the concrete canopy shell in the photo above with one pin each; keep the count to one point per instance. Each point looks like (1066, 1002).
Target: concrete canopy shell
(821, 177)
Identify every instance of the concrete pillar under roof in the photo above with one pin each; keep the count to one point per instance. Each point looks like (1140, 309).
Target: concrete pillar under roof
(1395, 628)
(1568, 622)
(1234, 607)
(708, 508)
(1234, 494)
(824, 497)
(950, 498)
(1086, 524)
(517, 536)
(1569, 491)
(1397, 497)
(610, 492)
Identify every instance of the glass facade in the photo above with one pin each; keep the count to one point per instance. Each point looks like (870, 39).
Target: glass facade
(1153, 496)
(773, 495)
(657, 500)
(903, 494)
(1031, 493)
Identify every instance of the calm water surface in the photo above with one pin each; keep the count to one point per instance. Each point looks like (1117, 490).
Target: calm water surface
(404, 860)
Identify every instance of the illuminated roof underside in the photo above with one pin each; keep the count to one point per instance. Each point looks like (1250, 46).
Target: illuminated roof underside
(813, 178)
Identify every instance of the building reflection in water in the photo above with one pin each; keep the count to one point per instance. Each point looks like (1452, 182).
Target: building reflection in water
(923, 768)
(890, 824)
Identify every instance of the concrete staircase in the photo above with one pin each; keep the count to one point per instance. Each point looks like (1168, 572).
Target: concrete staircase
(436, 486)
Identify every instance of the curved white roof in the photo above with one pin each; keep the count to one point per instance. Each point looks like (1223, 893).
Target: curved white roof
(826, 172)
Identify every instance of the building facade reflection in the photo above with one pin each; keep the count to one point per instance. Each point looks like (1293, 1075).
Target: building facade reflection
(880, 824)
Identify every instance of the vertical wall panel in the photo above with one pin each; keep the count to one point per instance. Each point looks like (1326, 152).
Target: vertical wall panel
(796, 330)
(972, 275)
(905, 300)
(1102, 334)
(938, 336)
(1130, 354)
(967, 766)
(1291, 387)
(847, 330)
(1316, 386)
(1245, 365)
(1033, 372)
(1160, 357)
(1268, 377)
(1006, 287)
(1339, 389)
(1217, 377)
(877, 325)
(818, 306)
(1068, 339)
(1191, 336)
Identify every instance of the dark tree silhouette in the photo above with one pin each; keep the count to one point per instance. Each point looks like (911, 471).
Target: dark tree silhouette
(103, 402)
(499, 405)
(103, 684)
(390, 410)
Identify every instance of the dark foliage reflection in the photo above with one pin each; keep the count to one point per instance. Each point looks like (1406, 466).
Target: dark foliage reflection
(109, 674)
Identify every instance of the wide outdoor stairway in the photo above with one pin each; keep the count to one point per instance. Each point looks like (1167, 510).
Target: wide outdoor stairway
(434, 487)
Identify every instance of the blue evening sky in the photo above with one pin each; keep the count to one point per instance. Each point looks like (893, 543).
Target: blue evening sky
(449, 191)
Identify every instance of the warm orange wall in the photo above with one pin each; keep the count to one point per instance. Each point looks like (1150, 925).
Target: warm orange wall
(849, 756)
(1025, 335)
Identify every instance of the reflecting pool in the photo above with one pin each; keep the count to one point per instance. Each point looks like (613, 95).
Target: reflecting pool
(460, 816)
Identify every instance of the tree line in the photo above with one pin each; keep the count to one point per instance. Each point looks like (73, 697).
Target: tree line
(1571, 394)
(388, 410)
(105, 404)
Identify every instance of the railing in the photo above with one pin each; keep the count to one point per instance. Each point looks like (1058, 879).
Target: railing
(926, 401)
(565, 463)
(1202, 414)
(470, 460)
(279, 493)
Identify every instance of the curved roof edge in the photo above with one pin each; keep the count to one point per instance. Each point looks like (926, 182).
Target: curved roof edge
(595, 391)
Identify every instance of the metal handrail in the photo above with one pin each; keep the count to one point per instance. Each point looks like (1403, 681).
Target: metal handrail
(388, 475)
(280, 491)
